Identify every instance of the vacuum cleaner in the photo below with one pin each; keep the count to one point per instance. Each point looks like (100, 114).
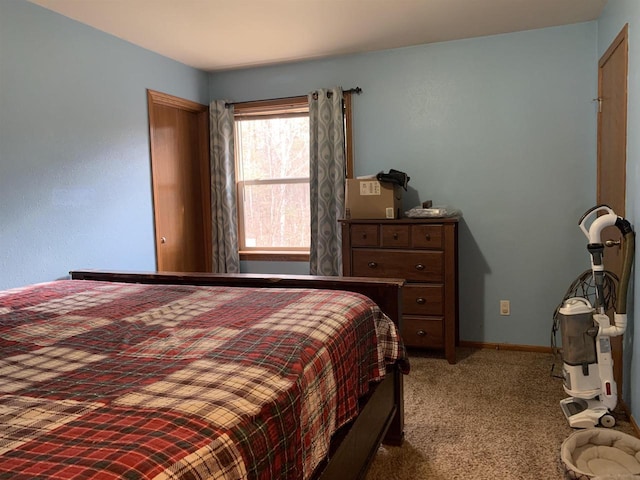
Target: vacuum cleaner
(586, 329)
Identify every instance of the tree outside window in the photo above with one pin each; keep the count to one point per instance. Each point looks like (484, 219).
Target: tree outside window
(272, 166)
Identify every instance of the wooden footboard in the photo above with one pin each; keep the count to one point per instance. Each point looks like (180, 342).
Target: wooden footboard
(382, 414)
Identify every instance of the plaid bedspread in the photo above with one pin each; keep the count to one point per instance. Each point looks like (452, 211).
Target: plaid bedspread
(112, 380)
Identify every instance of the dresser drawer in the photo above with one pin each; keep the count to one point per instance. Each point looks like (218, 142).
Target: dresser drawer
(422, 332)
(423, 299)
(422, 251)
(426, 236)
(364, 235)
(419, 266)
(395, 236)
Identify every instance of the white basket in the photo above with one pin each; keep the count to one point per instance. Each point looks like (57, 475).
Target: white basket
(599, 454)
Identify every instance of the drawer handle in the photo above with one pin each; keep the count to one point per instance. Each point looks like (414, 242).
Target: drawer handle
(420, 301)
(420, 267)
(395, 236)
(364, 235)
(421, 333)
(372, 264)
(427, 236)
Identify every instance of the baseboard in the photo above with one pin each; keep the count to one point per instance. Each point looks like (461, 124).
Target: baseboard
(506, 346)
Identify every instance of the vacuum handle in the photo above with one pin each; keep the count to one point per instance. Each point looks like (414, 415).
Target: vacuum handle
(609, 218)
(592, 210)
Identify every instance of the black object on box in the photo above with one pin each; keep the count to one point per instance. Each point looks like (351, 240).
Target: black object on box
(394, 176)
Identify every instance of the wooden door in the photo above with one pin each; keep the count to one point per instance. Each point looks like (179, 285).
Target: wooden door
(612, 157)
(179, 141)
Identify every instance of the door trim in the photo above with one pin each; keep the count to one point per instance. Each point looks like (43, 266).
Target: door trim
(620, 40)
(155, 98)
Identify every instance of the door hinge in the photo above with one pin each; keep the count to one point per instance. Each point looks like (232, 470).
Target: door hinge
(599, 100)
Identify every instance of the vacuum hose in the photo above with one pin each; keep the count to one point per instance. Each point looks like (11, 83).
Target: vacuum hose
(628, 250)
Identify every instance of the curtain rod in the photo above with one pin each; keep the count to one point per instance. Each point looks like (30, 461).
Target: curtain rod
(356, 90)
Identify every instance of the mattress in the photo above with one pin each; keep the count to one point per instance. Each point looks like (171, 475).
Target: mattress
(114, 380)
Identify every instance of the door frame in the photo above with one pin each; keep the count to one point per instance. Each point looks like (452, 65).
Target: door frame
(155, 98)
(621, 41)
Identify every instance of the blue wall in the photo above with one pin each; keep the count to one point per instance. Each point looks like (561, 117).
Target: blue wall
(501, 127)
(615, 15)
(75, 185)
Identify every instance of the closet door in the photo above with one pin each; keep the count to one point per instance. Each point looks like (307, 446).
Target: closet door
(179, 142)
(612, 159)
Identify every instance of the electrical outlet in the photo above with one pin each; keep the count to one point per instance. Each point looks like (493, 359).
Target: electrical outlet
(505, 307)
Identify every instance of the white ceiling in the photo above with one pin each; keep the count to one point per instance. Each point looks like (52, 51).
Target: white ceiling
(225, 34)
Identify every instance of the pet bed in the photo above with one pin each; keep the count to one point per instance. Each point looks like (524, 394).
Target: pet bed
(598, 454)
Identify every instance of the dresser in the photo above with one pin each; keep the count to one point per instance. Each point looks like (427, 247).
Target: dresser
(425, 253)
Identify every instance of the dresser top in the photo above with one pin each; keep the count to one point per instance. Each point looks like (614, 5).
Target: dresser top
(404, 220)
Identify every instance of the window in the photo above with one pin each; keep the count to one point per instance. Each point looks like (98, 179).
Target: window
(272, 175)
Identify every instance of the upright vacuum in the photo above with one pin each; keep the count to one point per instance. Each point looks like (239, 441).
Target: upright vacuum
(586, 329)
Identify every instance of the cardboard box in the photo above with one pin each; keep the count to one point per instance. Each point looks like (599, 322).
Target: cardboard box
(369, 198)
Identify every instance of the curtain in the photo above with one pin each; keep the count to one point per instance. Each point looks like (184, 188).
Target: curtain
(326, 177)
(224, 237)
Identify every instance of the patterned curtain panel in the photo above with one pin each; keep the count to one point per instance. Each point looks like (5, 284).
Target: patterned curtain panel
(327, 177)
(224, 236)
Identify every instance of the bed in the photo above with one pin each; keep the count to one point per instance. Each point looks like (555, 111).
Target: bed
(199, 376)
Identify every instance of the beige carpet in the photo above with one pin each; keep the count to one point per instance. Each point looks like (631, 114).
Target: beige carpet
(493, 415)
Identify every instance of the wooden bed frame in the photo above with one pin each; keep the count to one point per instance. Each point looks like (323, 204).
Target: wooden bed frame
(381, 418)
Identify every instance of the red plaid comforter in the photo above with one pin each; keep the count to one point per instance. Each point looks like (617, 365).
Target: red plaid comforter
(109, 380)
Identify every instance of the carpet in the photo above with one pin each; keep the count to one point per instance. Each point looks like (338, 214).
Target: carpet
(495, 414)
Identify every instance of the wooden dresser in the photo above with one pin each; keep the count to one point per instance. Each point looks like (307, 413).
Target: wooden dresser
(425, 253)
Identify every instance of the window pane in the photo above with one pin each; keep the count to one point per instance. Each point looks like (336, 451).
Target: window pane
(273, 148)
(276, 216)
